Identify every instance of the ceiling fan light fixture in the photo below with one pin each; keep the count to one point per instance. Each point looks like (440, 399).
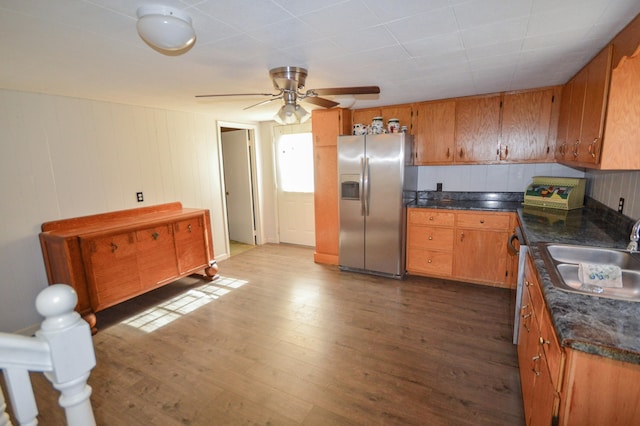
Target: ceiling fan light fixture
(165, 29)
(291, 113)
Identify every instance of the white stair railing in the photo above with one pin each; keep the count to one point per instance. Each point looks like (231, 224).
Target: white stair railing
(62, 349)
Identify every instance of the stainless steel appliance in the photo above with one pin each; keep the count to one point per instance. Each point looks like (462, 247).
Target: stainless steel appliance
(521, 251)
(373, 171)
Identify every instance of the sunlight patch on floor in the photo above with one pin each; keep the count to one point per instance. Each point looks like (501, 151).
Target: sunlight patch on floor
(169, 311)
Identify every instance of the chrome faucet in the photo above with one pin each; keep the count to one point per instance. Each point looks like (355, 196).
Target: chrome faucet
(634, 237)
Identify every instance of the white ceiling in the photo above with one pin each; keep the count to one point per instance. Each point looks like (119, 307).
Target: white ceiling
(413, 49)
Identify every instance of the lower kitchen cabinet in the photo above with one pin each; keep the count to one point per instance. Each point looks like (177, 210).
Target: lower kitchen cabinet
(600, 391)
(457, 244)
(565, 386)
(540, 392)
(430, 242)
(481, 247)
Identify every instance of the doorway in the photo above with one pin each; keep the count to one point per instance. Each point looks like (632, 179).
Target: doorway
(295, 185)
(238, 158)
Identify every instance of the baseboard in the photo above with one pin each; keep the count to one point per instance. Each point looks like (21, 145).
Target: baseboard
(327, 259)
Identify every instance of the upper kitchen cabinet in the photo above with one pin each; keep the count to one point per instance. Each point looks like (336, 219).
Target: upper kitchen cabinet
(526, 123)
(600, 115)
(327, 125)
(434, 132)
(477, 128)
(402, 112)
(621, 144)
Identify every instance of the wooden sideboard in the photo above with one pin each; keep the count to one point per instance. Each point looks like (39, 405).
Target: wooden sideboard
(111, 257)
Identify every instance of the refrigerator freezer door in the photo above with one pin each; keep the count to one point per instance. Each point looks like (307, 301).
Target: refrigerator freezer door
(351, 208)
(384, 243)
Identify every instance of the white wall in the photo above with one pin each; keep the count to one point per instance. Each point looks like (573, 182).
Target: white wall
(493, 177)
(64, 157)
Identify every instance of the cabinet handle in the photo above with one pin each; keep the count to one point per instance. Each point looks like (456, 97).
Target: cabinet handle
(155, 235)
(430, 238)
(114, 247)
(189, 227)
(575, 149)
(448, 152)
(528, 283)
(461, 153)
(430, 217)
(592, 148)
(461, 236)
(429, 261)
(535, 360)
(543, 341)
(481, 220)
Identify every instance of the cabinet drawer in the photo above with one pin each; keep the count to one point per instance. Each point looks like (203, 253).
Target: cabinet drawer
(190, 244)
(552, 349)
(431, 217)
(432, 238)
(430, 262)
(533, 287)
(483, 220)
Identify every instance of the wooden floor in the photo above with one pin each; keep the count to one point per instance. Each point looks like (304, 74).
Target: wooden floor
(285, 341)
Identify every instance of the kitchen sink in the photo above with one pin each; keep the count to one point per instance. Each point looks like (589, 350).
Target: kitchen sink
(562, 263)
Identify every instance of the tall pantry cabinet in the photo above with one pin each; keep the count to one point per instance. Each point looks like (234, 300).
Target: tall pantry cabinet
(327, 125)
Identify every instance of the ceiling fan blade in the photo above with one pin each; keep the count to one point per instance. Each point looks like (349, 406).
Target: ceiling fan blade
(236, 94)
(262, 103)
(325, 103)
(360, 90)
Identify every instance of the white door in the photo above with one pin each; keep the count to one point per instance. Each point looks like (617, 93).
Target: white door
(294, 164)
(238, 188)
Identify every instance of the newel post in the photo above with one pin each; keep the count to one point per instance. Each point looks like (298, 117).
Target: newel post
(72, 356)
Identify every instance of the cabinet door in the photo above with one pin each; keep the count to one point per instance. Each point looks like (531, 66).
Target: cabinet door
(527, 341)
(156, 251)
(191, 249)
(578, 90)
(526, 118)
(401, 112)
(562, 139)
(365, 115)
(111, 266)
(596, 92)
(544, 395)
(326, 201)
(481, 256)
(477, 127)
(327, 124)
(434, 130)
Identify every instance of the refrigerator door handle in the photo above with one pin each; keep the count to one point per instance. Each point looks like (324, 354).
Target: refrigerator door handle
(361, 191)
(366, 186)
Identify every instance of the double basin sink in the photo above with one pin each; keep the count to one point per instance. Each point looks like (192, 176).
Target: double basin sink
(562, 262)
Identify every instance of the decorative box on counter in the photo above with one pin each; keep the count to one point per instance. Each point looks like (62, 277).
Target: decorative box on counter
(562, 193)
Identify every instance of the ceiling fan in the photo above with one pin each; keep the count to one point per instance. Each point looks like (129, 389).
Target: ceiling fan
(289, 86)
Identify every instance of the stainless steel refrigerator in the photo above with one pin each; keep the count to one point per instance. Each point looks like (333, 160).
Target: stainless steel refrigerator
(374, 171)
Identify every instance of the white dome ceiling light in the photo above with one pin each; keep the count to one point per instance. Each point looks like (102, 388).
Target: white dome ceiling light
(166, 29)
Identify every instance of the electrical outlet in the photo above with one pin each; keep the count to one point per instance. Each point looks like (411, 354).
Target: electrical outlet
(439, 186)
(620, 205)
(139, 197)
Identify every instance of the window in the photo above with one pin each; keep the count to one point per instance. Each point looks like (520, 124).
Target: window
(294, 159)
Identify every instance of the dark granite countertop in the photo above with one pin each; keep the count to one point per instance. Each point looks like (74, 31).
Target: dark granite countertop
(596, 325)
(494, 201)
